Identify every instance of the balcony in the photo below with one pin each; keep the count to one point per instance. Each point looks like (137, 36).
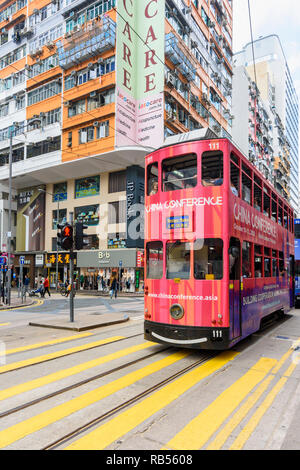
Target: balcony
(85, 42)
(178, 57)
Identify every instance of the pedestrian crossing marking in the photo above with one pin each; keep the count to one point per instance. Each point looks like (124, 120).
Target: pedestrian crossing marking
(199, 430)
(117, 427)
(57, 355)
(54, 377)
(47, 343)
(31, 425)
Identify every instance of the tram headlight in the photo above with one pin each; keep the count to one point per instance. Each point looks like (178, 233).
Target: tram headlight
(176, 311)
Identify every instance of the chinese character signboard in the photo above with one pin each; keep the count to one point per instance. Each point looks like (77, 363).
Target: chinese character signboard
(63, 258)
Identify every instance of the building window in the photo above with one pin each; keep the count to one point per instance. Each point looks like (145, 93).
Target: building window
(102, 130)
(76, 107)
(62, 218)
(208, 259)
(117, 212)
(60, 192)
(86, 135)
(40, 148)
(116, 240)
(88, 215)
(117, 182)
(89, 186)
(154, 257)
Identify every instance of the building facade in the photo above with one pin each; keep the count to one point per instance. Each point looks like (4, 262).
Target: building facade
(88, 89)
(275, 84)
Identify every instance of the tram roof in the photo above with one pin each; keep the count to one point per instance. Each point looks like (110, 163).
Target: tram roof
(198, 134)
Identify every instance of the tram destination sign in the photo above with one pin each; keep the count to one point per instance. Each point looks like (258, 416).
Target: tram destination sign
(177, 221)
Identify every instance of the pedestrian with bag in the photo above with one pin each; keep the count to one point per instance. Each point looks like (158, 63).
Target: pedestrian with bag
(113, 288)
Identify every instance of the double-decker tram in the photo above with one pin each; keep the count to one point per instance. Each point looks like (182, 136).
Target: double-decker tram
(219, 244)
(297, 262)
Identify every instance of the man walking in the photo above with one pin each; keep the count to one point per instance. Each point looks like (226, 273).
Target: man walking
(26, 284)
(46, 286)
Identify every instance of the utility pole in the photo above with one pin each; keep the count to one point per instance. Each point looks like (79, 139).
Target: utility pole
(9, 218)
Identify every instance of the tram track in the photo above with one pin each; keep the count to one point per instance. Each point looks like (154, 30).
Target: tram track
(78, 384)
(207, 355)
(69, 354)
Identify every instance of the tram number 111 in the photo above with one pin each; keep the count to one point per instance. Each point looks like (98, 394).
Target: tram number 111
(214, 146)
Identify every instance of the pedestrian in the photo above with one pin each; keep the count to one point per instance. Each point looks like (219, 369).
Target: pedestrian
(26, 284)
(46, 287)
(113, 288)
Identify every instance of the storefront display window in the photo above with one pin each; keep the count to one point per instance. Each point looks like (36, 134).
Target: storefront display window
(60, 192)
(89, 215)
(85, 187)
(116, 240)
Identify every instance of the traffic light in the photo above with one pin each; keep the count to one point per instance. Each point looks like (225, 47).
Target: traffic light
(65, 236)
(80, 243)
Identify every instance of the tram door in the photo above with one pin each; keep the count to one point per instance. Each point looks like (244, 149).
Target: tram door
(291, 277)
(235, 286)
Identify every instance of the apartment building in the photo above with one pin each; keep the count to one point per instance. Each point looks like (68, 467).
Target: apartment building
(254, 129)
(275, 84)
(88, 89)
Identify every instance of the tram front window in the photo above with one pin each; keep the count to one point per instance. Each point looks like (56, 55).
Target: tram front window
(212, 168)
(154, 252)
(180, 172)
(178, 260)
(208, 263)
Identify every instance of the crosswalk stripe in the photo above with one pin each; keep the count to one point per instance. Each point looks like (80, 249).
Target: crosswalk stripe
(259, 413)
(46, 343)
(62, 374)
(198, 431)
(117, 427)
(56, 355)
(31, 425)
(228, 429)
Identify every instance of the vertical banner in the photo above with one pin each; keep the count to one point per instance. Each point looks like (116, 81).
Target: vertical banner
(140, 73)
(31, 220)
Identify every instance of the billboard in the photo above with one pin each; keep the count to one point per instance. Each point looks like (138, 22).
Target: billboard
(140, 73)
(31, 220)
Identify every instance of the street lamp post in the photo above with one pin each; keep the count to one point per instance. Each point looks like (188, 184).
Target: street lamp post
(57, 222)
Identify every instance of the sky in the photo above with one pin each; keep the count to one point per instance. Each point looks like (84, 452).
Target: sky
(270, 17)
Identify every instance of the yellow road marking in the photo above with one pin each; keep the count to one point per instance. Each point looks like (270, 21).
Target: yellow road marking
(109, 432)
(46, 343)
(4, 324)
(31, 425)
(56, 355)
(37, 304)
(41, 381)
(259, 413)
(198, 431)
(224, 434)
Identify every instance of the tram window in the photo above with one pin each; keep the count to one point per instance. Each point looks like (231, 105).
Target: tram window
(274, 207)
(234, 179)
(152, 179)
(246, 188)
(154, 252)
(246, 260)
(274, 263)
(180, 172)
(257, 197)
(267, 262)
(266, 205)
(178, 260)
(281, 264)
(280, 215)
(208, 263)
(258, 266)
(212, 168)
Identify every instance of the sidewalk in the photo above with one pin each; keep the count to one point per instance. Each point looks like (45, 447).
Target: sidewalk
(16, 302)
(106, 294)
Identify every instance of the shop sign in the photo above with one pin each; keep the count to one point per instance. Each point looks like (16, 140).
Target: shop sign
(39, 260)
(63, 258)
(104, 256)
(140, 259)
(31, 220)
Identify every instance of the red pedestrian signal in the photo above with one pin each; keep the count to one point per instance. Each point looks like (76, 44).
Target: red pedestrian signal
(65, 237)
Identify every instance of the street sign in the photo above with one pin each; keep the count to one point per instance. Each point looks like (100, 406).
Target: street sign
(2, 260)
(120, 263)
(22, 259)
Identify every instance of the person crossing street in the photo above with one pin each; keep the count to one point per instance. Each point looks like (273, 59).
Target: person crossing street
(46, 287)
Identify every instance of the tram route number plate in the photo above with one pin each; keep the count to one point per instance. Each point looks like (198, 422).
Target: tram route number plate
(178, 221)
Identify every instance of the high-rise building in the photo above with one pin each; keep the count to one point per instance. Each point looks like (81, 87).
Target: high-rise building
(88, 89)
(274, 81)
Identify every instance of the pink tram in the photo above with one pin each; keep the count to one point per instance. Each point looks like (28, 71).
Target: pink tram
(219, 246)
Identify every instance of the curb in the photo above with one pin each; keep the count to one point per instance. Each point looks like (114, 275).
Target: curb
(80, 328)
(12, 307)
